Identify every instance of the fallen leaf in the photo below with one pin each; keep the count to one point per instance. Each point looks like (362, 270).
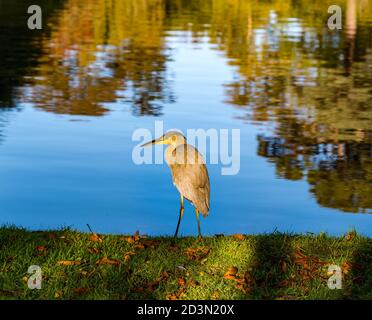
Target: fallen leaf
(181, 282)
(171, 296)
(81, 290)
(232, 271)
(350, 236)
(57, 294)
(139, 246)
(40, 248)
(127, 256)
(136, 236)
(107, 261)
(215, 295)
(239, 237)
(346, 267)
(132, 239)
(95, 237)
(68, 263)
(309, 263)
(231, 274)
(248, 279)
(230, 277)
(197, 253)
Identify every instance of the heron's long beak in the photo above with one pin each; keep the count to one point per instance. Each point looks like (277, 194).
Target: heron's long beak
(155, 141)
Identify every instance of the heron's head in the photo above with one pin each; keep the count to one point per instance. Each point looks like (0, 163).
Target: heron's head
(174, 138)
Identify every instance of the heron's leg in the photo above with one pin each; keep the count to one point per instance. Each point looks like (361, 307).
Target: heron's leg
(197, 218)
(180, 216)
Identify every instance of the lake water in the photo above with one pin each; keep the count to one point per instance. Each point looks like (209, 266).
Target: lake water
(72, 94)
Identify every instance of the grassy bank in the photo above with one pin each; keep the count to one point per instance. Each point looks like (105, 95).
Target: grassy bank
(272, 266)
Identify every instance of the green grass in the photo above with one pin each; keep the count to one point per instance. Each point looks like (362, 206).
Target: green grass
(269, 266)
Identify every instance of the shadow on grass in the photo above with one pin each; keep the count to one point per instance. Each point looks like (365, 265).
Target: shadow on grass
(272, 255)
(360, 277)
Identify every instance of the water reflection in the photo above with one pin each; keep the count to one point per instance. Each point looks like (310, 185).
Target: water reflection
(339, 174)
(310, 88)
(113, 52)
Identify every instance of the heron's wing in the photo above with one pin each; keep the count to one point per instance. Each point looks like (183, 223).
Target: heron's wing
(190, 176)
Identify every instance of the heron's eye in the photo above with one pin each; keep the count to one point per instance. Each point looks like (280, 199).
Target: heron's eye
(174, 138)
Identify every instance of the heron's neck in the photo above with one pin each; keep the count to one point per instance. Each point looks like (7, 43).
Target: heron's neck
(169, 152)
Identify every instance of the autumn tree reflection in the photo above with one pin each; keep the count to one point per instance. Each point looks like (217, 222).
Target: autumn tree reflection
(312, 85)
(101, 52)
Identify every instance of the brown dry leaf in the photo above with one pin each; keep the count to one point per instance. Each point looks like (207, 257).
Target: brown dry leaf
(139, 246)
(81, 290)
(350, 236)
(248, 279)
(238, 236)
(310, 264)
(299, 256)
(95, 237)
(171, 296)
(127, 256)
(136, 236)
(215, 295)
(40, 248)
(127, 239)
(107, 261)
(231, 274)
(181, 282)
(132, 239)
(230, 277)
(68, 263)
(232, 271)
(197, 253)
(346, 267)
